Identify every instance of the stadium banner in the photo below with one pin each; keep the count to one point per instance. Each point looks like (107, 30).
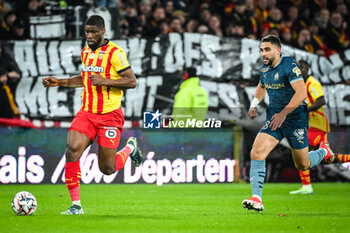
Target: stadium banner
(182, 156)
(228, 68)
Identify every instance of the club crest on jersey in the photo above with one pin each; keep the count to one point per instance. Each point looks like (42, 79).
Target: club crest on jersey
(276, 77)
(265, 69)
(101, 54)
(92, 68)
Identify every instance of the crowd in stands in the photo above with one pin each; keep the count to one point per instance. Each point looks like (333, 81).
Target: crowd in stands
(316, 26)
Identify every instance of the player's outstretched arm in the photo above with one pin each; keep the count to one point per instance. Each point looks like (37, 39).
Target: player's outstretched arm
(259, 95)
(127, 80)
(76, 81)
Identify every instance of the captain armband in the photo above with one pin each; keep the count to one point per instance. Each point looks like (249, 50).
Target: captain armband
(254, 103)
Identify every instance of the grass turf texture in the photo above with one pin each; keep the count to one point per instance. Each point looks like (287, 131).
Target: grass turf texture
(180, 208)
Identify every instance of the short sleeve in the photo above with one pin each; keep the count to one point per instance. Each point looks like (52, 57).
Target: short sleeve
(294, 73)
(315, 90)
(119, 61)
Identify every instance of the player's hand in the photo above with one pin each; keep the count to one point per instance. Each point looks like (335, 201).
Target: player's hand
(50, 82)
(252, 112)
(97, 80)
(277, 120)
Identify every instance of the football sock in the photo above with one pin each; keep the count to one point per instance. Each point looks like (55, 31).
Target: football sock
(257, 176)
(122, 156)
(72, 175)
(76, 203)
(316, 157)
(305, 177)
(343, 158)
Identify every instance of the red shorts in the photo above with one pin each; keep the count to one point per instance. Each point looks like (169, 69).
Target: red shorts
(107, 127)
(316, 136)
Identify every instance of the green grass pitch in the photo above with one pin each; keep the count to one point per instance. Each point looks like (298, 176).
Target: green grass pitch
(180, 208)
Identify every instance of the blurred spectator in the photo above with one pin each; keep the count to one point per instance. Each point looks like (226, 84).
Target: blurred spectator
(18, 30)
(202, 29)
(215, 25)
(234, 30)
(129, 22)
(6, 30)
(291, 21)
(152, 27)
(343, 10)
(33, 8)
(164, 28)
(240, 16)
(322, 20)
(145, 11)
(176, 26)
(204, 16)
(261, 11)
(317, 41)
(169, 8)
(304, 41)
(191, 25)
(271, 4)
(255, 28)
(286, 36)
(181, 15)
(336, 37)
(9, 78)
(273, 21)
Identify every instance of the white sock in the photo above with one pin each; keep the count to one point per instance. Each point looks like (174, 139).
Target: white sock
(131, 147)
(76, 203)
(257, 196)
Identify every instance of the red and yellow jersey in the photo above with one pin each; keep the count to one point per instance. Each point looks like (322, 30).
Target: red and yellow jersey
(108, 61)
(318, 118)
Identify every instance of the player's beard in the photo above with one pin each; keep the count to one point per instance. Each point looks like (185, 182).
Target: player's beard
(271, 60)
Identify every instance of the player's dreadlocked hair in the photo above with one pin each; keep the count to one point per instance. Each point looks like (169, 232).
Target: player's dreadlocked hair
(272, 39)
(95, 20)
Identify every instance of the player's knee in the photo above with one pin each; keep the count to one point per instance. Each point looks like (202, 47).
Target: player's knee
(255, 154)
(107, 170)
(72, 151)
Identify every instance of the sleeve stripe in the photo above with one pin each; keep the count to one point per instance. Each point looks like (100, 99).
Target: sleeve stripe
(294, 80)
(126, 68)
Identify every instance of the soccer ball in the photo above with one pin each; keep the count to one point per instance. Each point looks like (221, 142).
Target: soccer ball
(24, 203)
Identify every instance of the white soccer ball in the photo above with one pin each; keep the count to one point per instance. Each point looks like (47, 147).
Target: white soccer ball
(24, 203)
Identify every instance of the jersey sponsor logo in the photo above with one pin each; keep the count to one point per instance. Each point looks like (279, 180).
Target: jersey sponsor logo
(274, 86)
(92, 68)
(111, 133)
(276, 77)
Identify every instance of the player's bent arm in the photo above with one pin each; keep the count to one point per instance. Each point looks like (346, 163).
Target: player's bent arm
(259, 95)
(260, 92)
(298, 97)
(75, 81)
(317, 104)
(127, 80)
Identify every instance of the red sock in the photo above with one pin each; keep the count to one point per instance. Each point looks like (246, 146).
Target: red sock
(121, 157)
(305, 177)
(343, 158)
(73, 179)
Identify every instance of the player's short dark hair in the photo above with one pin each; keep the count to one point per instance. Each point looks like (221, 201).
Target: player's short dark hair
(305, 62)
(272, 39)
(95, 20)
(191, 71)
